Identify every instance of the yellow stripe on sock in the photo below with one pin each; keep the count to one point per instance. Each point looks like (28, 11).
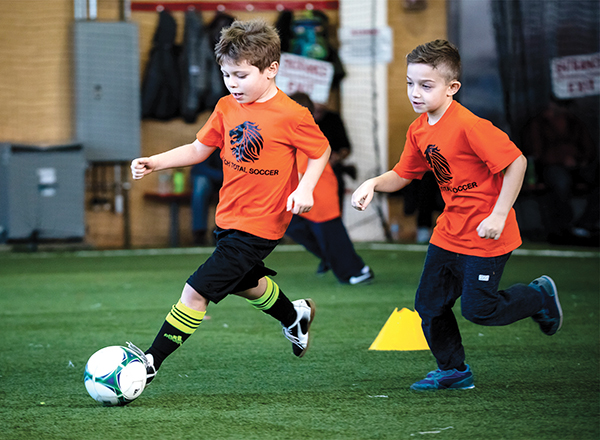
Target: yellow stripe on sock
(185, 319)
(266, 301)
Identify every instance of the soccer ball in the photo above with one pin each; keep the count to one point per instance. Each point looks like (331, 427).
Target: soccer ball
(115, 376)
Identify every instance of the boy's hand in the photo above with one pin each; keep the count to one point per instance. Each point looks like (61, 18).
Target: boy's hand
(363, 195)
(491, 227)
(300, 202)
(141, 166)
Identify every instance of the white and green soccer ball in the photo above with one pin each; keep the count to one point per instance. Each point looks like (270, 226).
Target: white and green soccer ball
(115, 376)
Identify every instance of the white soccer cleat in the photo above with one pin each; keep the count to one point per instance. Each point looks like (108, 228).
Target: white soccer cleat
(297, 333)
(147, 359)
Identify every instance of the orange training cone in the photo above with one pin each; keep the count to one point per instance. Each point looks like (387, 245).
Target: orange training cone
(401, 332)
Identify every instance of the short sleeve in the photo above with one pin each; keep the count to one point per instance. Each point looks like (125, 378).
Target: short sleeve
(492, 146)
(212, 133)
(309, 138)
(412, 163)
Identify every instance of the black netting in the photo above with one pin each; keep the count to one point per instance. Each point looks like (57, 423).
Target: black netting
(529, 33)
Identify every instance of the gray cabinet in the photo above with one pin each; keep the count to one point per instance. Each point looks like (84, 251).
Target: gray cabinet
(107, 90)
(42, 192)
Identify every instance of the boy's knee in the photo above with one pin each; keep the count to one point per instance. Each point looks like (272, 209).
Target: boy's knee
(477, 313)
(193, 299)
(470, 315)
(429, 312)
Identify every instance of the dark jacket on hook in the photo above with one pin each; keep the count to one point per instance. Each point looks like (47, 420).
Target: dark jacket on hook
(202, 82)
(216, 86)
(195, 58)
(161, 84)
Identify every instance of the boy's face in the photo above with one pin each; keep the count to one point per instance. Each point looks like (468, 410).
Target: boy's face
(428, 90)
(247, 83)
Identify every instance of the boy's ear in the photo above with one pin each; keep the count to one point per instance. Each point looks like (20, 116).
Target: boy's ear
(272, 70)
(453, 87)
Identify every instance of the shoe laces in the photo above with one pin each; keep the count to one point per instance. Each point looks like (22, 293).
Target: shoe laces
(141, 355)
(287, 331)
(291, 337)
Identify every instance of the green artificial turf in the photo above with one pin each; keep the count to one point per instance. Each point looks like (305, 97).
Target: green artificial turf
(237, 378)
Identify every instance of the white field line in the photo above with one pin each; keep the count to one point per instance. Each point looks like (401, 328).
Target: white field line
(284, 248)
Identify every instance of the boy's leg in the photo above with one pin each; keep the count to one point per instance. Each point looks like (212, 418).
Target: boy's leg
(339, 251)
(180, 323)
(236, 267)
(300, 231)
(550, 317)
(439, 288)
(482, 302)
(295, 317)
(202, 190)
(268, 297)
(236, 261)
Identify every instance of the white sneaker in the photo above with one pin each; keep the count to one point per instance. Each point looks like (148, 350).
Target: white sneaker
(297, 333)
(148, 361)
(365, 277)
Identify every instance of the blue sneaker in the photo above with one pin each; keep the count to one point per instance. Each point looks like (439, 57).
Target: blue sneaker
(445, 380)
(550, 318)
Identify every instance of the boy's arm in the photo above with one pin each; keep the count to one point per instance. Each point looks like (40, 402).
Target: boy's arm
(493, 225)
(188, 154)
(387, 182)
(301, 200)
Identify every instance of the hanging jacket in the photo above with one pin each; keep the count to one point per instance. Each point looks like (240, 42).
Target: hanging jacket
(284, 29)
(216, 85)
(201, 78)
(161, 83)
(194, 64)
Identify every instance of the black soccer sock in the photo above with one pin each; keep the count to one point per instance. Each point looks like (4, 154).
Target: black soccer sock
(274, 302)
(180, 324)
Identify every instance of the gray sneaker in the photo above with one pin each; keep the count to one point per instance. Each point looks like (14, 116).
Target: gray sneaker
(550, 318)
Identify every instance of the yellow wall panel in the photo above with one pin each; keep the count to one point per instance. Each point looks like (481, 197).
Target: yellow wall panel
(411, 28)
(35, 72)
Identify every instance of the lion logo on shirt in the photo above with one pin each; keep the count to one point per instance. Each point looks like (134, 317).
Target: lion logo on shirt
(247, 142)
(438, 164)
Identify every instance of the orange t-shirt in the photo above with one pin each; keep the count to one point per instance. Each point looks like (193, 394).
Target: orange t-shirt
(467, 155)
(326, 199)
(258, 143)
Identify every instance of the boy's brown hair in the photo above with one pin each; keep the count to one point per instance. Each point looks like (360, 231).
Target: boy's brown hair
(253, 41)
(439, 54)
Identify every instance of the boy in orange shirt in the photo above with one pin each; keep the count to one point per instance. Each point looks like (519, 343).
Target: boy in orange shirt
(321, 230)
(258, 130)
(479, 172)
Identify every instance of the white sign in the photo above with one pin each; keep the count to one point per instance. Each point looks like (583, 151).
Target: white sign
(47, 181)
(576, 76)
(306, 75)
(365, 46)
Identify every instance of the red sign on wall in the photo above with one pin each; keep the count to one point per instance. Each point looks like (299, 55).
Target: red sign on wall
(576, 76)
(301, 74)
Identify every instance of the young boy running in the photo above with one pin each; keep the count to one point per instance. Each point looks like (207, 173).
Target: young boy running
(257, 129)
(321, 231)
(479, 172)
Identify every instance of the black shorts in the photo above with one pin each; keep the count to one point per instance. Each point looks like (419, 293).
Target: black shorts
(235, 265)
